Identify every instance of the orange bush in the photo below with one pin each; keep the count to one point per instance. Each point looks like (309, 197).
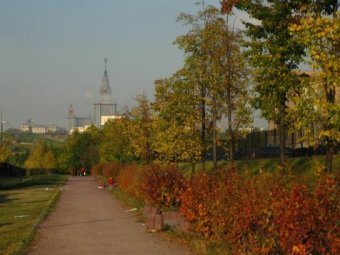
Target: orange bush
(308, 220)
(111, 170)
(196, 203)
(263, 214)
(129, 179)
(161, 186)
(97, 169)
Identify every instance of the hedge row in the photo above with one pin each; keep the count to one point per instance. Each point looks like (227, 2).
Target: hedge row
(263, 214)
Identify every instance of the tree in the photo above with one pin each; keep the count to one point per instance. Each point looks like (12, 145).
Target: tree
(214, 59)
(192, 43)
(5, 152)
(316, 105)
(273, 53)
(178, 116)
(82, 149)
(41, 156)
(141, 129)
(236, 88)
(116, 144)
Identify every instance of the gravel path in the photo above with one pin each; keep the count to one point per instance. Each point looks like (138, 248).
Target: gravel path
(88, 220)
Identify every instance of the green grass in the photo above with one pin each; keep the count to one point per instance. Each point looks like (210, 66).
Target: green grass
(10, 183)
(22, 207)
(303, 166)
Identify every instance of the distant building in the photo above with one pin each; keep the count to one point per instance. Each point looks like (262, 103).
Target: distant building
(27, 127)
(105, 109)
(75, 122)
(31, 127)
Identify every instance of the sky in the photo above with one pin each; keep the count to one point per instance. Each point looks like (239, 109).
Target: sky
(52, 53)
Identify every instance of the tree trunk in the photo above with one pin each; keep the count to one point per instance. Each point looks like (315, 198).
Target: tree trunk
(329, 158)
(203, 126)
(215, 135)
(229, 111)
(282, 134)
(193, 169)
(330, 147)
(230, 128)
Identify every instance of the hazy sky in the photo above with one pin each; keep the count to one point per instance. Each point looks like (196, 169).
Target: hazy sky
(52, 53)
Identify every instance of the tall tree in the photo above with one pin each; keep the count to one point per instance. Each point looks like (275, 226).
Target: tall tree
(178, 117)
(141, 129)
(216, 64)
(196, 65)
(82, 149)
(116, 144)
(5, 151)
(41, 156)
(316, 106)
(273, 53)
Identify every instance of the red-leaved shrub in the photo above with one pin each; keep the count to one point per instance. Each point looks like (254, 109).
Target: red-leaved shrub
(111, 170)
(264, 214)
(161, 186)
(129, 179)
(97, 170)
(308, 220)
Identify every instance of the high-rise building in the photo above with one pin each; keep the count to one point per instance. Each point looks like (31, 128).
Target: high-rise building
(75, 122)
(105, 109)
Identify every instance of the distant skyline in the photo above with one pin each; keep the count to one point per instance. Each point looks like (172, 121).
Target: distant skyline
(52, 53)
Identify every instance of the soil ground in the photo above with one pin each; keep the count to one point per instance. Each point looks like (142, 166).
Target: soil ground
(88, 220)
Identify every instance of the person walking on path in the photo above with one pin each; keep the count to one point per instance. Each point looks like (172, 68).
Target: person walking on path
(88, 221)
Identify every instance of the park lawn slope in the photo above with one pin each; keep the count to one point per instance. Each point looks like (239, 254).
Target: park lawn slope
(23, 207)
(301, 166)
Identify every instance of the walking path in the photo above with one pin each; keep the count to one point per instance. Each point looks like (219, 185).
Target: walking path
(88, 220)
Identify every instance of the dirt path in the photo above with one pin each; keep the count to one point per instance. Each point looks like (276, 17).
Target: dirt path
(88, 220)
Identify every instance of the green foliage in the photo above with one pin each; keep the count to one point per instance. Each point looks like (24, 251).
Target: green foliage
(214, 77)
(141, 130)
(316, 105)
(273, 54)
(82, 149)
(5, 152)
(116, 145)
(177, 137)
(41, 156)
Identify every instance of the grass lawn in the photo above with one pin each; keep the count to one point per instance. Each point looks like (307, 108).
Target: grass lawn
(304, 166)
(22, 207)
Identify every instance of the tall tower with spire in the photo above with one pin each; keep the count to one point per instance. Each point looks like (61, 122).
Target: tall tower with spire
(104, 109)
(75, 122)
(105, 90)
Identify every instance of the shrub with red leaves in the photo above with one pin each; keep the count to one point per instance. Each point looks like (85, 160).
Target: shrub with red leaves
(308, 220)
(97, 169)
(129, 180)
(161, 186)
(265, 214)
(111, 170)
